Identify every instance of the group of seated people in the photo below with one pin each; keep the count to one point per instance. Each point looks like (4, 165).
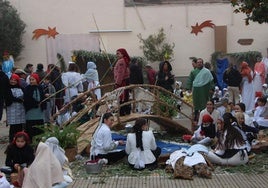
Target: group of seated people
(47, 166)
(140, 146)
(227, 138)
(230, 131)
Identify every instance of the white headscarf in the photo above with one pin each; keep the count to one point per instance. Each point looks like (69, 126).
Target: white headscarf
(92, 73)
(53, 144)
(45, 169)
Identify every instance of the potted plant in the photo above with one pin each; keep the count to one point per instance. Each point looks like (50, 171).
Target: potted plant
(67, 137)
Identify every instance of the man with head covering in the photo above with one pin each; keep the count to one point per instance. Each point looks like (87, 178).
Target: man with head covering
(200, 82)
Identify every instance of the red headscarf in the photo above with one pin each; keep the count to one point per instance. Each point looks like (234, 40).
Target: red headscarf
(15, 77)
(21, 134)
(246, 71)
(207, 119)
(36, 77)
(125, 55)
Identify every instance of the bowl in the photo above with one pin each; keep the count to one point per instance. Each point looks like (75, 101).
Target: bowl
(129, 128)
(93, 168)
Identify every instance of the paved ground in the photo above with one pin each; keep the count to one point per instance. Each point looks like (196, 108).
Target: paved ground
(156, 181)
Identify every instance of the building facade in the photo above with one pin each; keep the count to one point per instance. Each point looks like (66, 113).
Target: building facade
(109, 25)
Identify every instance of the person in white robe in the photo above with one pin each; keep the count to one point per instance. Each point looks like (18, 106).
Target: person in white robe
(72, 80)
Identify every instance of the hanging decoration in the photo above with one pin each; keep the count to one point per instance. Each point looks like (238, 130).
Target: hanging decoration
(198, 28)
(50, 33)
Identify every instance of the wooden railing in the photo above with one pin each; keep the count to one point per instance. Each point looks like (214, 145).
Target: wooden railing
(159, 107)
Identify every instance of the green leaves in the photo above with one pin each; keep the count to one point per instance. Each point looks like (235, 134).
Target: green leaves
(155, 47)
(255, 10)
(11, 30)
(67, 135)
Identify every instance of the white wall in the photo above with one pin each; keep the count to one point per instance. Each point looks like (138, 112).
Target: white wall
(77, 17)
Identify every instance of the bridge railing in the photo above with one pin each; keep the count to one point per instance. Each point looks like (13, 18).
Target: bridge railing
(158, 100)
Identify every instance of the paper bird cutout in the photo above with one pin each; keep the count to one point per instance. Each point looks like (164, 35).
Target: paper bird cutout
(198, 28)
(50, 33)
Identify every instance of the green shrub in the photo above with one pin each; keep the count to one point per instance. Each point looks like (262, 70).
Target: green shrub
(67, 135)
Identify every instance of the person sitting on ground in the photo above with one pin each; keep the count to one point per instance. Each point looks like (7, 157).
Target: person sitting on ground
(102, 145)
(141, 146)
(223, 106)
(19, 155)
(265, 90)
(206, 132)
(241, 107)
(210, 109)
(53, 144)
(249, 133)
(231, 146)
(260, 118)
(45, 171)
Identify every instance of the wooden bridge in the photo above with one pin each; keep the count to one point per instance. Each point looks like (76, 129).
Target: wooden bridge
(153, 103)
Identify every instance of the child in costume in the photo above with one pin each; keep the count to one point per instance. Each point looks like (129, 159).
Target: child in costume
(19, 154)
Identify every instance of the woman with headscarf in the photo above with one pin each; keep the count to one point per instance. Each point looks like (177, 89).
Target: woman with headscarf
(45, 171)
(15, 111)
(92, 77)
(121, 78)
(248, 95)
(53, 144)
(259, 75)
(34, 106)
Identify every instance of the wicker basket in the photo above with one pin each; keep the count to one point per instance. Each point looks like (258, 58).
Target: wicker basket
(93, 167)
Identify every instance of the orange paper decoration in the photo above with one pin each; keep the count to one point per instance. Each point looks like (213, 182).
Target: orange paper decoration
(50, 33)
(198, 28)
